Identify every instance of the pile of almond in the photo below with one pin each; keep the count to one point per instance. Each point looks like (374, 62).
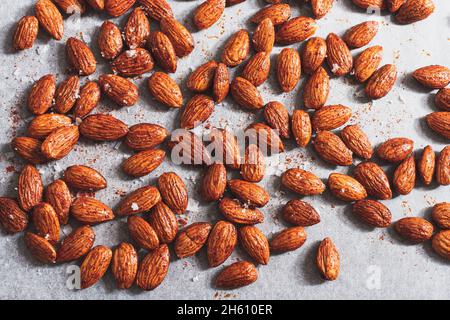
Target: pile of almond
(63, 112)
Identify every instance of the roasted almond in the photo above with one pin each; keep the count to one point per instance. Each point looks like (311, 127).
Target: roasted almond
(138, 201)
(289, 69)
(302, 182)
(26, 33)
(163, 51)
(357, 141)
(321, 7)
(277, 117)
(71, 6)
(124, 265)
(381, 82)
(236, 275)
(144, 136)
(49, 18)
(208, 13)
(90, 210)
(442, 99)
(196, 111)
(12, 218)
(367, 63)
(346, 188)
(142, 233)
(120, 90)
(76, 244)
(370, 4)
(331, 117)
(97, 4)
(153, 268)
(300, 213)
(373, 213)
(57, 194)
(441, 244)
(295, 30)
(137, 29)
(395, 149)
(249, 192)
(328, 260)
(157, 9)
(80, 57)
(42, 94)
(29, 187)
(265, 138)
(301, 127)
(192, 239)
(394, 5)
(373, 178)
(313, 54)
(187, 148)
(221, 83)
(443, 167)
(46, 222)
(221, 243)
(165, 90)
(90, 95)
(441, 214)
(317, 89)
(110, 40)
(339, 58)
(264, 36)
(214, 182)
(67, 94)
(40, 248)
(173, 192)
(289, 239)
(144, 162)
(201, 79)
(278, 13)
(414, 229)
(414, 10)
(235, 212)
(84, 178)
(164, 222)
(405, 176)
(361, 34)
(426, 165)
(332, 149)
(439, 122)
(434, 76)
(253, 167)
(29, 149)
(95, 266)
(257, 68)
(179, 35)
(255, 244)
(226, 147)
(133, 63)
(103, 127)
(116, 8)
(236, 49)
(246, 94)
(44, 124)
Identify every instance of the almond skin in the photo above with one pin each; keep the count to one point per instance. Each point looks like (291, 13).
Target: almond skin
(414, 10)
(295, 30)
(46, 222)
(196, 111)
(208, 13)
(173, 192)
(60, 142)
(426, 165)
(366, 4)
(90, 211)
(144, 162)
(257, 68)
(405, 176)
(124, 265)
(301, 127)
(42, 94)
(57, 194)
(255, 244)
(84, 178)
(300, 213)
(142, 233)
(313, 54)
(434, 76)
(71, 6)
(191, 239)
(138, 201)
(264, 36)
(277, 117)
(120, 90)
(49, 18)
(12, 218)
(157, 9)
(394, 5)
(367, 63)
(165, 90)
(221, 83)
(236, 275)
(137, 29)
(357, 141)
(321, 7)
(331, 117)
(441, 244)
(235, 212)
(302, 182)
(26, 33)
(133, 63)
(289, 239)
(80, 57)
(221, 243)
(40, 248)
(253, 167)
(189, 148)
(339, 57)
(289, 69)
(246, 94)
(90, 95)
(164, 222)
(361, 34)
(214, 182)
(265, 138)
(328, 260)
(44, 124)
(181, 38)
(442, 99)
(249, 192)
(103, 127)
(441, 214)
(76, 244)
(395, 149)
(317, 89)
(110, 40)
(373, 213)
(66, 94)
(153, 268)
(439, 122)
(201, 79)
(373, 178)
(116, 8)
(29, 187)
(227, 148)
(236, 49)
(144, 136)
(381, 82)
(97, 4)
(346, 188)
(278, 13)
(414, 229)
(95, 266)
(443, 167)
(331, 149)
(29, 149)
(163, 51)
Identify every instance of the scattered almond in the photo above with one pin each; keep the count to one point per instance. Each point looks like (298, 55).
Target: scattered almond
(26, 33)
(236, 275)
(361, 34)
(235, 212)
(163, 51)
(373, 213)
(164, 222)
(357, 141)
(332, 149)
(110, 40)
(328, 260)
(124, 265)
(221, 243)
(381, 81)
(95, 266)
(302, 182)
(57, 194)
(300, 213)
(395, 149)
(192, 239)
(236, 49)
(289, 239)
(264, 36)
(138, 201)
(46, 222)
(142, 233)
(339, 58)
(144, 162)
(122, 91)
(214, 182)
(165, 90)
(367, 63)
(42, 94)
(414, 229)
(76, 244)
(288, 69)
(153, 268)
(103, 127)
(29, 187)
(317, 89)
(12, 218)
(90, 210)
(295, 30)
(313, 54)
(331, 117)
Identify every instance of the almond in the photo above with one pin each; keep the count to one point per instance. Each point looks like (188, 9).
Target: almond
(137, 29)
(153, 268)
(95, 266)
(80, 57)
(249, 192)
(40, 248)
(90, 95)
(173, 192)
(163, 51)
(426, 165)
(76, 244)
(442, 99)
(302, 182)
(414, 10)
(221, 243)
(226, 147)
(257, 68)
(288, 69)
(90, 210)
(441, 214)
(44, 124)
(394, 5)
(405, 176)
(103, 127)
(373, 213)
(97, 4)
(301, 127)
(439, 122)
(395, 149)
(46, 222)
(71, 6)
(255, 244)
(321, 7)
(434, 76)
(29, 149)
(233, 2)
(443, 167)
(50, 18)
(277, 117)
(42, 94)
(164, 222)
(246, 94)
(214, 182)
(346, 188)
(253, 168)
(120, 90)
(300, 213)
(357, 141)
(441, 244)
(295, 30)
(332, 149)
(236, 49)
(165, 90)
(196, 111)
(157, 9)
(339, 57)
(57, 194)
(110, 40)
(264, 36)
(235, 212)
(370, 4)
(202, 78)
(331, 117)
(67, 93)
(144, 136)
(278, 13)
(361, 34)
(314, 54)
(188, 148)
(12, 218)
(289, 239)
(143, 163)
(265, 138)
(26, 33)
(367, 63)
(142, 233)
(317, 89)
(124, 265)
(138, 201)
(84, 178)
(208, 13)
(116, 8)
(191, 239)
(328, 260)
(236, 275)
(29, 187)
(373, 178)
(133, 63)
(381, 82)
(414, 229)
(221, 83)
(179, 35)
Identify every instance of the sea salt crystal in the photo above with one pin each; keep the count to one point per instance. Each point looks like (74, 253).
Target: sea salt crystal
(134, 206)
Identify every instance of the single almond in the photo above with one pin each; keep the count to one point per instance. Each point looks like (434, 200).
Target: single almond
(321, 7)
(236, 275)
(221, 243)
(165, 90)
(346, 188)
(277, 117)
(441, 244)
(44, 124)
(46, 222)
(249, 192)
(414, 10)
(133, 63)
(236, 49)
(414, 229)
(208, 13)
(95, 266)
(110, 40)
(137, 29)
(49, 18)
(300, 213)
(29, 149)
(226, 147)
(80, 57)
(40, 248)
(97, 4)
(42, 94)
(138, 201)
(373, 178)
(301, 127)
(328, 260)
(71, 6)
(426, 165)
(30, 188)
(116, 8)
(191, 239)
(246, 94)
(394, 5)
(153, 268)
(381, 81)
(265, 138)
(278, 13)
(314, 54)
(405, 176)
(361, 34)
(163, 51)
(357, 141)
(367, 63)
(214, 182)
(84, 178)
(395, 149)
(144, 136)
(173, 192)
(144, 162)
(67, 93)
(331, 117)
(142, 233)
(332, 149)
(253, 167)
(255, 244)
(57, 194)
(339, 58)
(76, 244)
(90, 210)
(289, 239)
(196, 111)
(12, 218)
(179, 35)
(120, 90)
(317, 89)
(26, 33)
(157, 9)
(373, 213)
(296, 30)
(443, 167)
(90, 95)
(264, 36)
(441, 214)
(188, 148)
(221, 83)
(103, 127)
(124, 265)
(235, 212)
(289, 69)
(201, 79)
(302, 182)
(257, 68)
(439, 122)
(164, 222)
(434, 76)
(442, 99)
(370, 4)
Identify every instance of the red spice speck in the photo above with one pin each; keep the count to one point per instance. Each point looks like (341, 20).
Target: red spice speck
(10, 169)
